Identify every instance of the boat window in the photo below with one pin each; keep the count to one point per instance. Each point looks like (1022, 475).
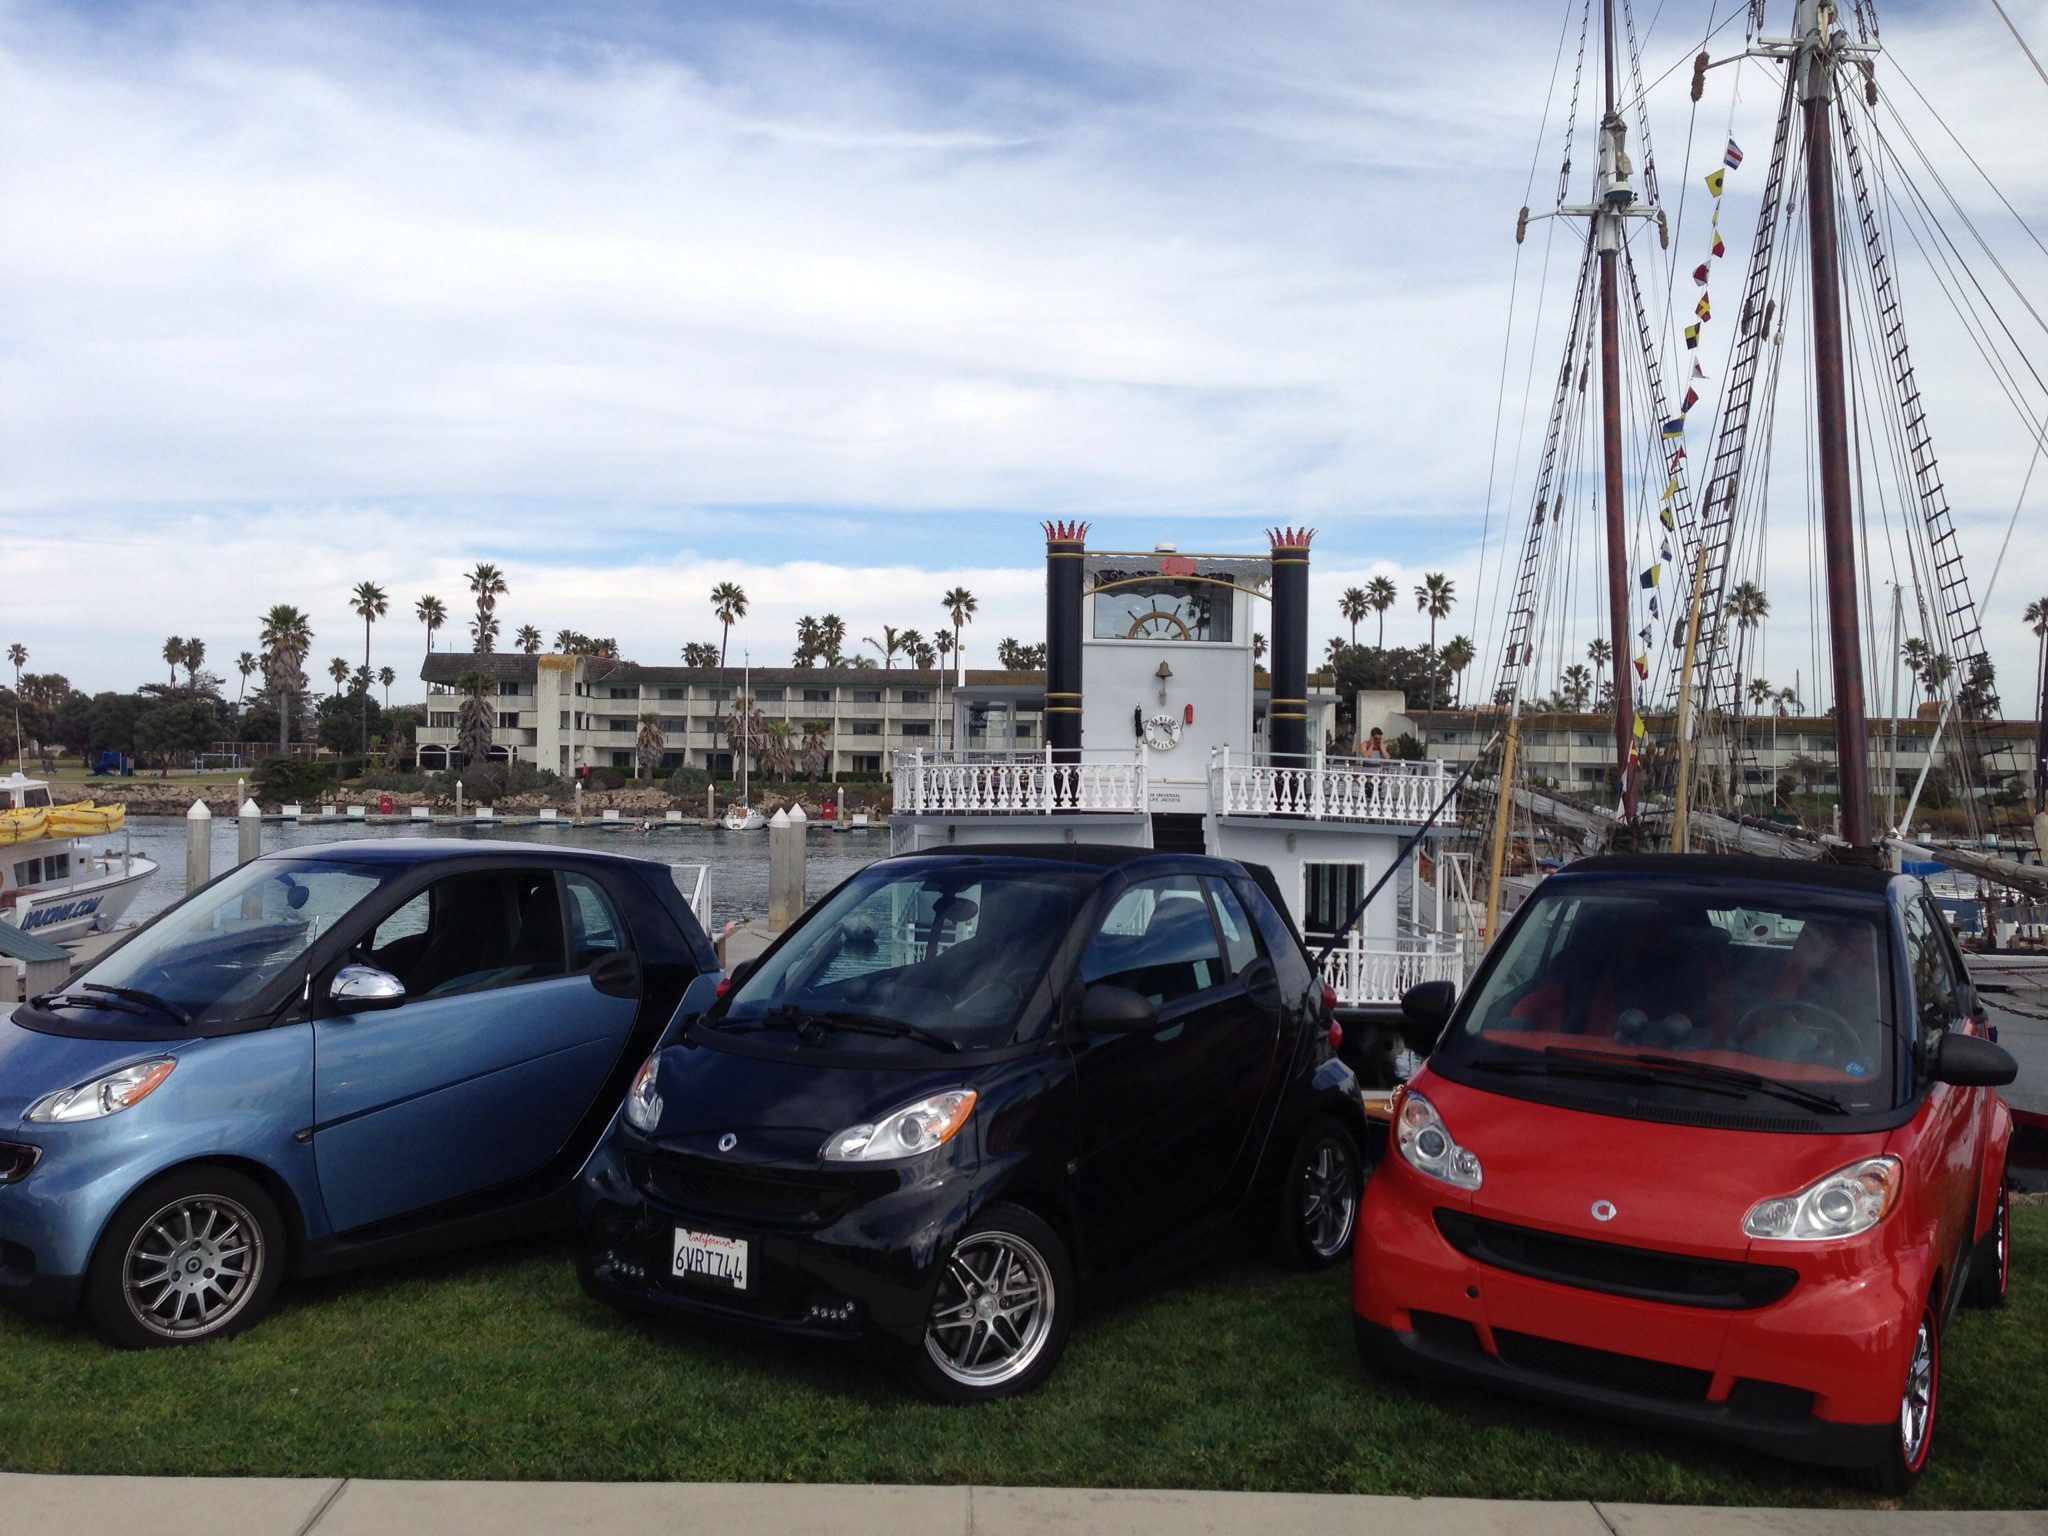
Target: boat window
(1781, 982)
(40, 795)
(221, 948)
(1164, 609)
(952, 950)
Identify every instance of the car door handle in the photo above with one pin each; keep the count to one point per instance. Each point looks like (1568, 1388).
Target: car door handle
(617, 974)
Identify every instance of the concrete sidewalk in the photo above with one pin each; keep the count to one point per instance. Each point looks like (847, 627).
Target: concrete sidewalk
(33, 1505)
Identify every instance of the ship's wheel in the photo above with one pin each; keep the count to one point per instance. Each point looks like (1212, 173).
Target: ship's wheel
(1159, 624)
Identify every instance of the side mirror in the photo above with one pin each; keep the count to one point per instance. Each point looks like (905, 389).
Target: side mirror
(1117, 1010)
(1261, 983)
(364, 989)
(616, 974)
(1969, 1062)
(1426, 1007)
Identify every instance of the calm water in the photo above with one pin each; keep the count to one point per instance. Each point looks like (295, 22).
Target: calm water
(738, 860)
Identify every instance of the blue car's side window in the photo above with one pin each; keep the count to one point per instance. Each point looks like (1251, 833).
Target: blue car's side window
(471, 932)
(594, 927)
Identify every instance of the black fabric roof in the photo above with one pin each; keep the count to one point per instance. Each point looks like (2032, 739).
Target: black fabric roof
(1735, 866)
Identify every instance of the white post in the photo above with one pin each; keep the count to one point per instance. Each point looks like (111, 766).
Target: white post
(249, 832)
(198, 846)
(785, 868)
(1316, 791)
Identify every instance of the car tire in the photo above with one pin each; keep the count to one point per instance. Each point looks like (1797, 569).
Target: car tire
(194, 1256)
(1316, 1217)
(1991, 1264)
(1002, 1311)
(1912, 1440)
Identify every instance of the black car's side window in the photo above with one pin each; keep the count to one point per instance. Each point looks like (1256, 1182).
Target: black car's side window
(1240, 945)
(1295, 975)
(471, 932)
(1935, 1006)
(1159, 940)
(594, 926)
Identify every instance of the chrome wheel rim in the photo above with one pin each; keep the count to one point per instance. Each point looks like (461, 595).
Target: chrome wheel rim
(192, 1266)
(1916, 1408)
(994, 1310)
(1327, 1198)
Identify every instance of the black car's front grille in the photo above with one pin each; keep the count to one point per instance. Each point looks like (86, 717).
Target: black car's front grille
(772, 1196)
(1682, 1279)
(1603, 1368)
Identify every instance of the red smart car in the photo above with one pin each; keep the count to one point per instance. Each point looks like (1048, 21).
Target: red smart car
(1710, 1144)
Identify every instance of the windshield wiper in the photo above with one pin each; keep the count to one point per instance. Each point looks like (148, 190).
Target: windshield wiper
(1597, 1066)
(812, 1024)
(73, 1000)
(137, 995)
(1756, 1082)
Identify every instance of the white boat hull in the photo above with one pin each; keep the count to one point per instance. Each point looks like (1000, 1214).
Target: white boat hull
(746, 819)
(93, 903)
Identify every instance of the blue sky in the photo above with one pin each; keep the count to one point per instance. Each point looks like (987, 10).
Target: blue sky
(835, 300)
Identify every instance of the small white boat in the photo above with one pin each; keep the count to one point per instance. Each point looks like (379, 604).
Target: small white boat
(51, 884)
(744, 818)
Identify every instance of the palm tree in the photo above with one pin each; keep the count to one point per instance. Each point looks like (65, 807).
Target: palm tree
(286, 637)
(778, 750)
(815, 756)
(962, 606)
(728, 606)
(369, 604)
(1381, 594)
(192, 659)
(648, 749)
(832, 639)
(174, 653)
(1458, 654)
(1333, 653)
(1575, 687)
(911, 643)
(890, 643)
(1435, 597)
(1935, 670)
(1761, 692)
(477, 719)
(528, 639)
(1354, 605)
(338, 670)
(1258, 646)
(18, 654)
(2036, 617)
(246, 665)
(433, 613)
(700, 653)
(387, 677)
(487, 584)
(1600, 652)
(806, 652)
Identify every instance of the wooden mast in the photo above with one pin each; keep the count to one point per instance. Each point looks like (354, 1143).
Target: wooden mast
(1615, 194)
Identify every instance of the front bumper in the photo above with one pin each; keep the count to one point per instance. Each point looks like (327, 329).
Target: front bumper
(831, 1256)
(1443, 1354)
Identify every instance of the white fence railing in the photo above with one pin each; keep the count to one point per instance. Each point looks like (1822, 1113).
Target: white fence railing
(1378, 971)
(694, 881)
(1403, 793)
(961, 784)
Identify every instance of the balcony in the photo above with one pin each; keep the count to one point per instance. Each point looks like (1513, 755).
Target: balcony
(972, 784)
(1375, 972)
(1397, 794)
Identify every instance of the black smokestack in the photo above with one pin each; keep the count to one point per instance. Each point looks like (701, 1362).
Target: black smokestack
(1064, 548)
(1287, 703)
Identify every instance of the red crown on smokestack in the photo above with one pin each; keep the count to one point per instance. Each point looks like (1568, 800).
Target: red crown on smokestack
(1064, 533)
(1291, 538)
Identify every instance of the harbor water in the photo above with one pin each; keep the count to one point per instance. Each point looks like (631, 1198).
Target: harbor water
(738, 860)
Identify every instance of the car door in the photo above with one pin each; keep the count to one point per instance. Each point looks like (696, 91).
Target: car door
(1945, 1150)
(520, 992)
(1165, 1114)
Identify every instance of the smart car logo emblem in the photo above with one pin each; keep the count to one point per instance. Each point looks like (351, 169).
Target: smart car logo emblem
(728, 1141)
(1603, 1210)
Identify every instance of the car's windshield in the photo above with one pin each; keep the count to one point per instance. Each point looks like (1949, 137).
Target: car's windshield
(206, 958)
(948, 950)
(1682, 994)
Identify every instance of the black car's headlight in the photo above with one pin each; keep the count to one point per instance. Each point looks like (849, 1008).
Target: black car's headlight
(903, 1132)
(107, 1094)
(643, 1104)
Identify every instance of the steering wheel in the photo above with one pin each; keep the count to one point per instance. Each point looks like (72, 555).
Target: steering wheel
(1808, 1029)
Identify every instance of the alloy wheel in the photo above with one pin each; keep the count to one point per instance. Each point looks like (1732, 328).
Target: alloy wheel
(1327, 1197)
(1916, 1406)
(994, 1310)
(193, 1266)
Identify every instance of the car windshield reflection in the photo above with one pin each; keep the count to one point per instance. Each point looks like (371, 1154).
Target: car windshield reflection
(1769, 993)
(209, 956)
(935, 957)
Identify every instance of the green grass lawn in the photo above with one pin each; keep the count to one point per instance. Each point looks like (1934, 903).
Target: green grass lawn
(495, 1365)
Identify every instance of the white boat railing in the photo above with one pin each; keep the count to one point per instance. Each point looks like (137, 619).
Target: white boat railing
(1343, 789)
(974, 784)
(694, 881)
(1378, 971)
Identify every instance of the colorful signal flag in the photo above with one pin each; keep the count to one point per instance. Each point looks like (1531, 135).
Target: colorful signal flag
(1733, 159)
(1714, 179)
(1651, 577)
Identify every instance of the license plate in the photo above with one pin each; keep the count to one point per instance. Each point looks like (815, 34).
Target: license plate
(711, 1259)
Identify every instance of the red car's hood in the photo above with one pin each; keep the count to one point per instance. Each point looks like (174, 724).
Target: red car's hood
(1677, 1188)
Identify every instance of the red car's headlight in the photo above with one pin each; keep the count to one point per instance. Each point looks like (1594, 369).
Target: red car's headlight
(1846, 1202)
(1425, 1143)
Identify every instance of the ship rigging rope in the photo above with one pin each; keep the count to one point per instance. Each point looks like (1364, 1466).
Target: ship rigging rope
(2015, 31)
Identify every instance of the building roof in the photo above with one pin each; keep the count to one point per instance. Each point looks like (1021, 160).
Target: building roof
(16, 945)
(517, 666)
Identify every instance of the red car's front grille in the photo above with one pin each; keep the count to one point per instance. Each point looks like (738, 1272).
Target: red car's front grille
(1645, 1273)
(1603, 1368)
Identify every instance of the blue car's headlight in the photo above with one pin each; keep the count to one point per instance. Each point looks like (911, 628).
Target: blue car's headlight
(105, 1095)
(643, 1104)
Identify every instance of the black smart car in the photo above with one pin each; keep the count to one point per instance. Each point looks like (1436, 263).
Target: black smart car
(970, 1087)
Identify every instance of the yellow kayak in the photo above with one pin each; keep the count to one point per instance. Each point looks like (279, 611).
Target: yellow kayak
(85, 819)
(23, 826)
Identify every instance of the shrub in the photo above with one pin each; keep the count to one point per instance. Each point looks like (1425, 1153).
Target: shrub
(289, 780)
